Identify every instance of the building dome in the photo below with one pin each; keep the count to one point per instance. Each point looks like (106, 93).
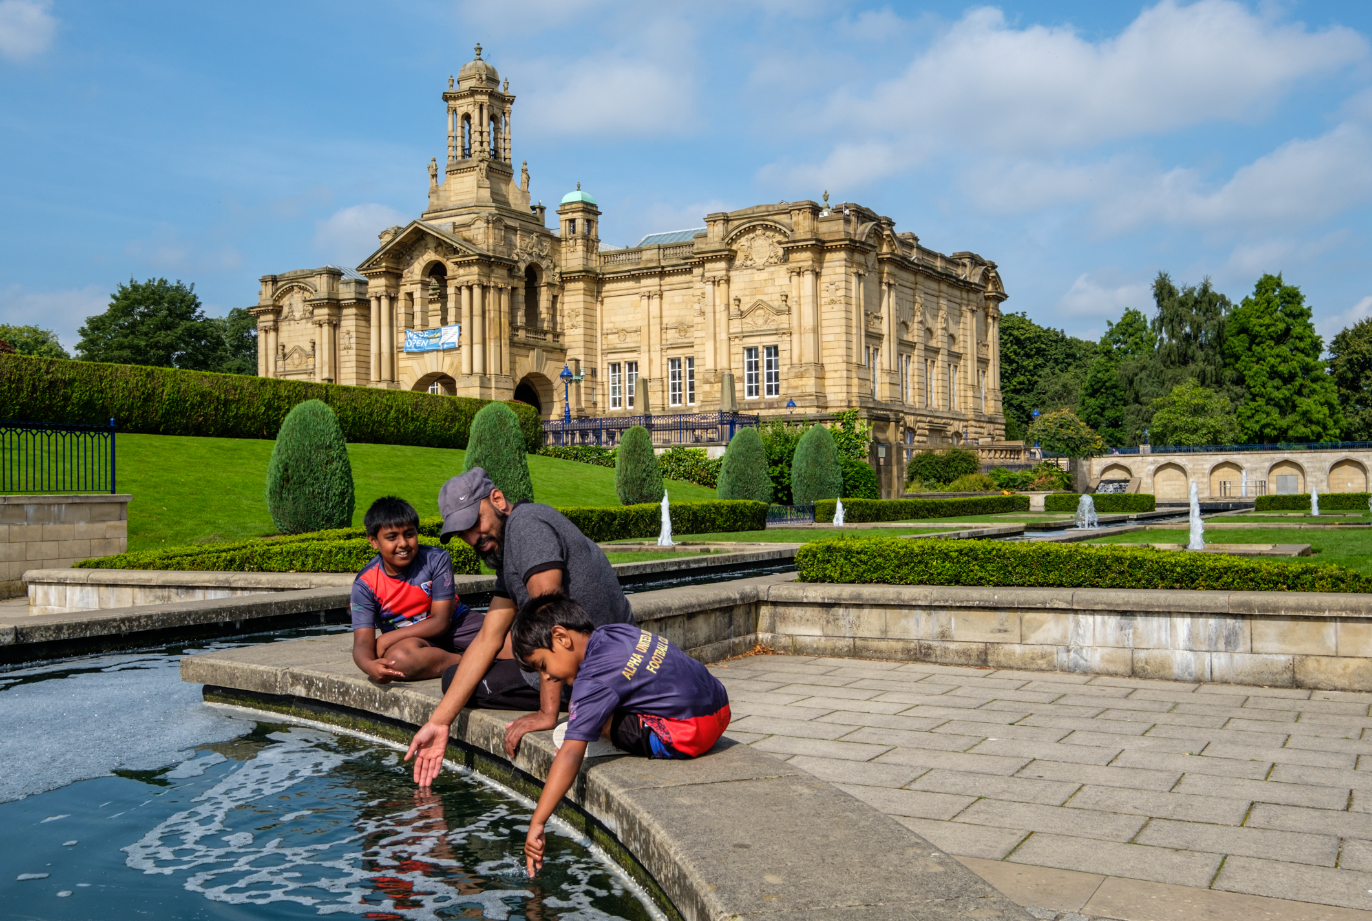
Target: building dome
(478, 72)
(578, 195)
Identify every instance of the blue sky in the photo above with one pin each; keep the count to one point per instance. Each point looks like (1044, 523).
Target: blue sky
(1081, 146)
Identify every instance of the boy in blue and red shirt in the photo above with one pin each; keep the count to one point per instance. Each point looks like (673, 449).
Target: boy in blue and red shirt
(406, 591)
(632, 687)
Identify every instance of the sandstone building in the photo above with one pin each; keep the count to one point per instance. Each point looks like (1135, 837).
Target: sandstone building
(823, 305)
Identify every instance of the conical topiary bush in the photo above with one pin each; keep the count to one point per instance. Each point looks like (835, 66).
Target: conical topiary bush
(496, 445)
(815, 470)
(743, 472)
(638, 478)
(309, 479)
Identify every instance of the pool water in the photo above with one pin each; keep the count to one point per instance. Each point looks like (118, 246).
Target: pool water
(256, 819)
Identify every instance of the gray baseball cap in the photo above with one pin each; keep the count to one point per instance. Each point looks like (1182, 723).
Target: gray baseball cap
(459, 501)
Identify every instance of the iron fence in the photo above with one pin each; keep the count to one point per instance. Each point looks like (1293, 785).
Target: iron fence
(1283, 446)
(671, 429)
(790, 514)
(37, 457)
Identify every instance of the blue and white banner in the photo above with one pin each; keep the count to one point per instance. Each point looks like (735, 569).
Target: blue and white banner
(432, 340)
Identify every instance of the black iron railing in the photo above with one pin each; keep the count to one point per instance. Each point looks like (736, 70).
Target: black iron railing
(36, 457)
(672, 429)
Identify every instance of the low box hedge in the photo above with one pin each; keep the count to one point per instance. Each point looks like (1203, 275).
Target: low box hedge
(1108, 503)
(859, 510)
(169, 401)
(992, 563)
(606, 523)
(1300, 502)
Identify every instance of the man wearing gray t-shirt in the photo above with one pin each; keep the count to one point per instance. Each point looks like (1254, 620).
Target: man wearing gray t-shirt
(534, 551)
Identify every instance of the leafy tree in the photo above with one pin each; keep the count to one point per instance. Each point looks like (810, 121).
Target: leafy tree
(496, 445)
(1041, 369)
(779, 438)
(1190, 327)
(1063, 433)
(154, 323)
(852, 436)
(815, 471)
(1274, 350)
(1350, 364)
(638, 478)
(309, 478)
(743, 475)
(933, 469)
(1105, 403)
(1194, 415)
(859, 479)
(33, 340)
(238, 329)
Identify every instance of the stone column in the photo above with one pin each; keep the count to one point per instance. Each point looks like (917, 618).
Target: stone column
(796, 300)
(508, 147)
(857, 331)
(993, 371)
(724, 352)
(273, 341)
(545, 306)
(263, 343)
(503, 350)
(478, 329)
(374, 340)
(468, 335)
(321, 350)
(387, 337)
(892, 353)
(711, 340)
(808, 295)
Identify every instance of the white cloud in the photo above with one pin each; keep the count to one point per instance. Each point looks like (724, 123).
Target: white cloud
(611, 97)
(1089, 297)
(348, 236)
(1332, 325)
(63, 312)
(26, 28)
(1250, 260)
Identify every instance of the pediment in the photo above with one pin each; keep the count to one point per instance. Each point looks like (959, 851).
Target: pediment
(413, 233)
(769, 308)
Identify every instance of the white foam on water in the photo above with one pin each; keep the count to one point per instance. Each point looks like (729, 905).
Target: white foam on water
(70, 843)
(64, 893)
(54, 818)
(24, 877)
(195, 767)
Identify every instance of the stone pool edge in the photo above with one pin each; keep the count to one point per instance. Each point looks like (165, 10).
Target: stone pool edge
(736, 834)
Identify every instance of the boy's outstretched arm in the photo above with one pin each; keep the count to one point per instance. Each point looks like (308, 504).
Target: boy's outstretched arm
(560, 779)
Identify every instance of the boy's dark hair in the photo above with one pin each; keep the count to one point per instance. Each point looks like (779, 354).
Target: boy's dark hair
(533, 626)
(389, 512)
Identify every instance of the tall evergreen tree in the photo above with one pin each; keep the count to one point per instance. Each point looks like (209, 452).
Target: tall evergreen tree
(1350, 364)
(1041, 368)
(154, 323)
(1274, 351)
(1190, 331)
(309, 477)
(1194, 415)
(496, 445)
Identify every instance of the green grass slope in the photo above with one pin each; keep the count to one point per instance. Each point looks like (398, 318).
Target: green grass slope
(195, 489)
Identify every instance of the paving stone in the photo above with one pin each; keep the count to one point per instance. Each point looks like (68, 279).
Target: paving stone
(755, 685)
(953, 761)
(804, 729)
(832, 693)
(1341, 707)
(1335, 719)
(1149, 742)
(1219, 735)
(1016, 789)
(966, 840)
(914, 697)
(1360, 802)
(1077, 823)
(934, 740)
(1064, 687)
(1058, 677)
(1133, 778)
(910, 802)
(1047, 751)
(1269, 844)
(820, 748)
(1162, 693)
(806, 681)
(840, 703)
(1281, 755)
(1127, 703)
(1140, 900)
(1302, 728)
(1086, 713)
(1179, 687)
(866, 773)
(741, 708)
(987, 683)
(1165, 719)
(1217, 708)
(1326, 777)
(1134, 861)
(1296, 881)
(1342, 695)
(1312, 821)
(1009, 731)
(896, 683)
(1243, 690)
(1169, 761)
(1216, 810)
(1023, 696)
(885, 720)
(874, 665)
(1324, 744)
(773, 698)
(1356, 855)
(744, 738)
(1049, 889)
(931, 668)
(1089, 725)
(974, 716)
(1264, 791)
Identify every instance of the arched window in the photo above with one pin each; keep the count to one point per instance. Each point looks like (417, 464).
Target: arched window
(466, 137)
(435, 309)
(531, 296)
(496, 153)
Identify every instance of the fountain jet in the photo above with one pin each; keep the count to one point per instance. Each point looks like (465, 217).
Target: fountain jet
(1086, 513)
(664, 537)
(1197, 526)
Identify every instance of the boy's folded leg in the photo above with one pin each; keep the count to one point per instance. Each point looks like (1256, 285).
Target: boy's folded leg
(503, 688)
(628, 734)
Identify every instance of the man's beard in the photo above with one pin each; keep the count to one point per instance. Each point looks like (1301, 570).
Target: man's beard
(495, 557)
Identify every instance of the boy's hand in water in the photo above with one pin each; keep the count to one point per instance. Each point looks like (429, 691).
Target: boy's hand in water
(533, 848)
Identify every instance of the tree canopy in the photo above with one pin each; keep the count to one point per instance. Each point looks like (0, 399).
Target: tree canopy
(33, 340)
(1194, 415)
(156, 323)
(1041, 368)
(1061, 432)
(1350, 364)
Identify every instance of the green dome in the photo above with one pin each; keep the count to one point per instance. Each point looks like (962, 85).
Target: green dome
(578, 195)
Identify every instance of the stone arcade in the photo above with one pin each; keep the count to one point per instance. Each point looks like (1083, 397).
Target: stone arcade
(824, 305)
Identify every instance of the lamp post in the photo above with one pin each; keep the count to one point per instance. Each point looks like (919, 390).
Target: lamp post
(791, 405)
(567, 378)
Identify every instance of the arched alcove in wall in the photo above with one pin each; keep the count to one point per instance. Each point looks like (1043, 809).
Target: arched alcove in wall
(1226, 473)
(1286, 478)
(1347, 476)
(1170, 483)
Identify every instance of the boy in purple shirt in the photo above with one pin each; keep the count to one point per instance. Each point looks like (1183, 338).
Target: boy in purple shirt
(630, 686)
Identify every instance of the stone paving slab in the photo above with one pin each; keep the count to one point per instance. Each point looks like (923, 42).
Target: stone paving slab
(1093, 797)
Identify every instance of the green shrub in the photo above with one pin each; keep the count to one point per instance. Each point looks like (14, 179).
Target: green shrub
(638, 479)
(582, 454)
(497, 447)
(779, 438)
(168, 401)
(743, 473)
(690, 465)
(994, 563)
(859, 479)
(972, 482)
(1300, 502)
(309, 478)
(606, 523)
(861, 510)
(1106, 503)
(936, 468)
(815, 472)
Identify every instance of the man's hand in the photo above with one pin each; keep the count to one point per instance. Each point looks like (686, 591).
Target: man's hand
(382, 671)
(533, 847)
(427, 749)
(532, 722)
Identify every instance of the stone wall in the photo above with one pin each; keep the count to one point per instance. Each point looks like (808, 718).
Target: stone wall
(1168, 476)
(53, 532)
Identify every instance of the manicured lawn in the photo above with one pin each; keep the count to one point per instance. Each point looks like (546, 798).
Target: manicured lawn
(1001, 518)
(198, 489)
(1326, 518)
(804, 535)
(1345, 548)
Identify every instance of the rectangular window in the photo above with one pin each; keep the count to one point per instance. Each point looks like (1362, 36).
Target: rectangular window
(631, 380)
(571, 227)
(750, 374)
(616, 390)
(691, 381)
(674, 382)
(772, 370)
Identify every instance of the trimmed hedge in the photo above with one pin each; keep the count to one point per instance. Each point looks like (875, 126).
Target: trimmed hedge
(169, 401)
(859, 479)
(815, 470)
(496, 447)
(605, 523)
(1106, 503)
(309, 478)
(743, 470)
(692, 465)
(582, 454)
(993, 563)
(1300, 502)
(859, 510)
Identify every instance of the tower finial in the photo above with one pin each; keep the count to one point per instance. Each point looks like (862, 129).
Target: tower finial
(450, 81)
(578, 187)
(826, 198)
(507, 86)
(478, 51)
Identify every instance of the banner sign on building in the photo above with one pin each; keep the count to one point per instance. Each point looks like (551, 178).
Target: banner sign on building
(432, 340)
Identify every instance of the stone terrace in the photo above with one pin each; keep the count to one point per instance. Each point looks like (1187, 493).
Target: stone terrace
(1109, 797)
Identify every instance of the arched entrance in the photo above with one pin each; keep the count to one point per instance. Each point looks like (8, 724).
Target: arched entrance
(538, 391)
(526, 394)
(436, 382)
(1286, 478)
(1226, 479)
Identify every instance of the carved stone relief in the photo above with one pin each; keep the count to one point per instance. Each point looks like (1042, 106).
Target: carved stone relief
(834, 293)
(758, 248)
(574, 319)
(622, 338)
